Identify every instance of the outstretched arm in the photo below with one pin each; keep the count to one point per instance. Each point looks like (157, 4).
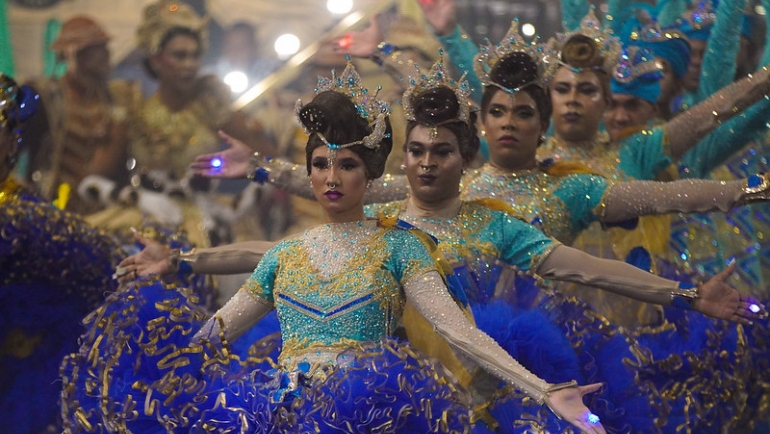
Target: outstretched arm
(627, 200)
(442, 16)
(687, 129)
(429, 295)
(237, 316)
(158, 259)
(718, 68)
(238, 161)
(713, 298)
(249, 305)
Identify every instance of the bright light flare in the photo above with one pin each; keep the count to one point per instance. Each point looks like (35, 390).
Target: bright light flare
(237, 80)
(339, 7)
(286, 45)
(528, 29)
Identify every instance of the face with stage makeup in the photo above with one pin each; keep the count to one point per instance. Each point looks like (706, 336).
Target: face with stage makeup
(434, 163)
(513, 127)
(339, 165)
(579, 98)
(339, 183)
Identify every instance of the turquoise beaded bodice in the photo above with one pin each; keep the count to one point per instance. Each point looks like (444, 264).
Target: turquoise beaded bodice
(559, 205)
(338, 284)
(478, 231)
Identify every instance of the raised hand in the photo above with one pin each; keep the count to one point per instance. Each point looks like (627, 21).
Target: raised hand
(717, 299)
(154, 259)
(568, 404)
(233, 162)
(441, 15)
(360, 44)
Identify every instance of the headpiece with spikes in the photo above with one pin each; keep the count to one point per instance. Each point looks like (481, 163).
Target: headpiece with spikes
(669, 43)
(368, 106)
(437, 77)
(638, 74)
(609, 45)
(513, 42)
(637, 63)
(697, 20)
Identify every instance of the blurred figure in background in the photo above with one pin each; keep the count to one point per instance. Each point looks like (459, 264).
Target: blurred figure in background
(241, 64)
(82, 128)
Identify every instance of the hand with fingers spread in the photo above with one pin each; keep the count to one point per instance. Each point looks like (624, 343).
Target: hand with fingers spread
(441, 14)
(154, 259)
(233, 162)
(360, 44)
(717, 299)
(568, 404)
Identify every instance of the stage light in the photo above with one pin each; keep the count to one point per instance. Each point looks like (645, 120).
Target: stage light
(237, 80)
(528, 29)
(339, 7)
(286, 45)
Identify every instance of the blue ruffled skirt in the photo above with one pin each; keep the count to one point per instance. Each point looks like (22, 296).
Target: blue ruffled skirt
(138, 371)
(690, 374)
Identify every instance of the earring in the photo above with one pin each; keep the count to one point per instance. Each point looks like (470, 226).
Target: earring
(542, 139)
(402, 167)
(483, 133)
(368, 183)
(465, 172)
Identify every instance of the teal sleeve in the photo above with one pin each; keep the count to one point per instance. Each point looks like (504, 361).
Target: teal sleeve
(669, 11)
(572, 12)
(581, 194)
(519, 242)
(262, 280)
(726, 140)
(409, 257)
(644, 155)
(766, 54)
(718, 68)
(461, 51)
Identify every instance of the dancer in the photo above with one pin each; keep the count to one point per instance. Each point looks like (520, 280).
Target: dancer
(363, 267)
(53, 270)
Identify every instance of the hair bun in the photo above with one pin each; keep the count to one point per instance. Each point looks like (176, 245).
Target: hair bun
(313, 118)
(515, 70)
(436, 105)
(581, 51)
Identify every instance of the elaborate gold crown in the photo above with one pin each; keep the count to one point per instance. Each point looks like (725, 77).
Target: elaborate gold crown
(368, 106)
(609, 45)
(513, 42)
(163, 16)
(437, 77)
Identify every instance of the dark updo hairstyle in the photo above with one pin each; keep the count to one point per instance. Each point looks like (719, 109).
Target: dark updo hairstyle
(513, 71)
(580, 51)
(169, 35)
(439, 106)
(336, 117)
